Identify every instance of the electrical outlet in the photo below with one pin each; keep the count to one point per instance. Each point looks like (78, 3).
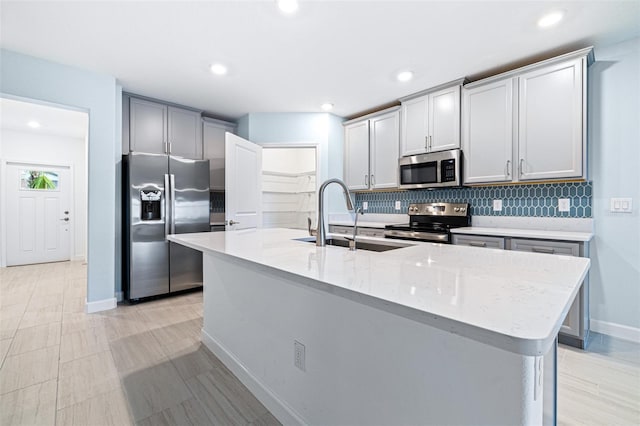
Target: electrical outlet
(398, 205)
(365, 205)
(299, 355)
(497, 205)
(564, 204)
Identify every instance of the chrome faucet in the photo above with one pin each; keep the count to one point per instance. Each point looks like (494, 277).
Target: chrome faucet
(321, 234)
(352, 241)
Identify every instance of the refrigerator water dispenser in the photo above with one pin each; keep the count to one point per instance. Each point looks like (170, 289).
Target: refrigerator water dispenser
(150, 204)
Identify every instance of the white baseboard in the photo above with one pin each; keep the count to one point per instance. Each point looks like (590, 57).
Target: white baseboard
(285, 414)
(78, 258)
(616, 330)
(100, 305)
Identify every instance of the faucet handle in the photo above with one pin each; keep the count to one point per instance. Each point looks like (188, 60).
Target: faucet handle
(312, 232)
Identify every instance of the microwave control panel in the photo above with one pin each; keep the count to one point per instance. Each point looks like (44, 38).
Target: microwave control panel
(448, 170)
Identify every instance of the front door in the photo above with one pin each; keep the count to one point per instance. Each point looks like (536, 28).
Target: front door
(38, 213)
(243, 193)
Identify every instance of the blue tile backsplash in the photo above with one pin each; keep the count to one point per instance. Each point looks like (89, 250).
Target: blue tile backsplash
(536, 200)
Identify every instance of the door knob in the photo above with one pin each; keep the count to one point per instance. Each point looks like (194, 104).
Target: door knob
(232, 222)
(66, 219)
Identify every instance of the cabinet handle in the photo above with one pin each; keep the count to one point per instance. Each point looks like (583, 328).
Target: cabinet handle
(477, 244)
(508, 168)
(547, 250)
(169, 147)
(520, 167)
(373, 181)
(430, 143)
(426, 143)
(166, 147)
(366, 180)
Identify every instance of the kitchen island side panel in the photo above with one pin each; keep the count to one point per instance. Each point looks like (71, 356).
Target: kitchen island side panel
(363, 365)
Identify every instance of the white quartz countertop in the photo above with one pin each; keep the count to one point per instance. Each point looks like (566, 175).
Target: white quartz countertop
(508, 299)
(525, 233)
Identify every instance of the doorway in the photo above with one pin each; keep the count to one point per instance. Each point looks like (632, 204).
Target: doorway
(44, 181)
(289, 185)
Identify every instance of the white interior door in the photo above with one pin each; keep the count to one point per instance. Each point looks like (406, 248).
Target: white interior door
(38, 213)
(243, 194)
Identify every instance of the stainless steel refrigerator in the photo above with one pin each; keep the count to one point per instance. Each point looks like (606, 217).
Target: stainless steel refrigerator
(162, 195)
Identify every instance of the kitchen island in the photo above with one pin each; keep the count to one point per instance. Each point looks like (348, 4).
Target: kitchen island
(425, 334)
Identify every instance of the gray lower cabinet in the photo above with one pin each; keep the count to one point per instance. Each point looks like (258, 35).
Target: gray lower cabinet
(575, 328)
(479, 241)
(158, 128)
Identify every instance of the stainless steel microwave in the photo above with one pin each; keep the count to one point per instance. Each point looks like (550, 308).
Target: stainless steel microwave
(433, 170)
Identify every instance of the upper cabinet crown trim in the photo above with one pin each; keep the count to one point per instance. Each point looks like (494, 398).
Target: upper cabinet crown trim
(160, 101)
(372, 115)
(458, 82)
(586, 52)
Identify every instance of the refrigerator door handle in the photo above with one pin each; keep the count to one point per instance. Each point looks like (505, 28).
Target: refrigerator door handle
(166, 209)
(173, 203)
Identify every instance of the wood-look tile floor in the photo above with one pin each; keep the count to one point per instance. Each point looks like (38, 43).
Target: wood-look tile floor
(144, 364)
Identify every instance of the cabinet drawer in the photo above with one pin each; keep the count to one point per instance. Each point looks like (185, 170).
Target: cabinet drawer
(339, 229)
(371, 232)
(478, 241)
(549, 247)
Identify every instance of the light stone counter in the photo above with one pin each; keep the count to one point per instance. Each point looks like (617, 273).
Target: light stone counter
(511, 300)
(425, 334)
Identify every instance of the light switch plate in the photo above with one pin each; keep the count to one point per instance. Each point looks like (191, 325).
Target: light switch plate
(365, 205)
(622, 205)
(398, 205)
(564, 204)
(497, 205)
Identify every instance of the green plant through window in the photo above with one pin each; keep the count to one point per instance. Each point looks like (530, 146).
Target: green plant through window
(38, 179)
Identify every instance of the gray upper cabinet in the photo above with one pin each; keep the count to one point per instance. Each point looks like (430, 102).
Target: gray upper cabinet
(147, 126)
(528, 124)
(185, 137)
(431, 120)
(162, 129)
(213, 138)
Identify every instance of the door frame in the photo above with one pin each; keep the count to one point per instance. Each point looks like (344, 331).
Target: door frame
(4, 162)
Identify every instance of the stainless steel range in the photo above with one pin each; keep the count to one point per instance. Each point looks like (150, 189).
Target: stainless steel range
(431, 222)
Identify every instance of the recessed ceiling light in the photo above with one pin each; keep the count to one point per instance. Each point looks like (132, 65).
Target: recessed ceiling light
(288, 6)
(218, 69)
(327, 106)
(405, 76)
(33, 124)
(551, 19)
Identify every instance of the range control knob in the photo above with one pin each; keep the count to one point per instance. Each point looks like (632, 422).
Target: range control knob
(463, 209)
(456, 209)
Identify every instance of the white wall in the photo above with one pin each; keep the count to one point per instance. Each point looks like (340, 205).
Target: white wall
(614, 160)
(289, 160)
(54, 150)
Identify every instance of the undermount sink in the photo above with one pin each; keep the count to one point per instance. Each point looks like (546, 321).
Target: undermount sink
(361, 244)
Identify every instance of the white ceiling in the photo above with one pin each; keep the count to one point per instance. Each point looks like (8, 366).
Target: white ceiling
(14, 115)
(344, 52)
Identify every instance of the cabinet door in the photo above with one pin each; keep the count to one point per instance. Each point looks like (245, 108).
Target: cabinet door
(213, 146)
(356, 161)
(147, 126)
(444, 119)
(185, 137)
(550, 137)
(415, 123)
(384, 135)
(487, 132)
